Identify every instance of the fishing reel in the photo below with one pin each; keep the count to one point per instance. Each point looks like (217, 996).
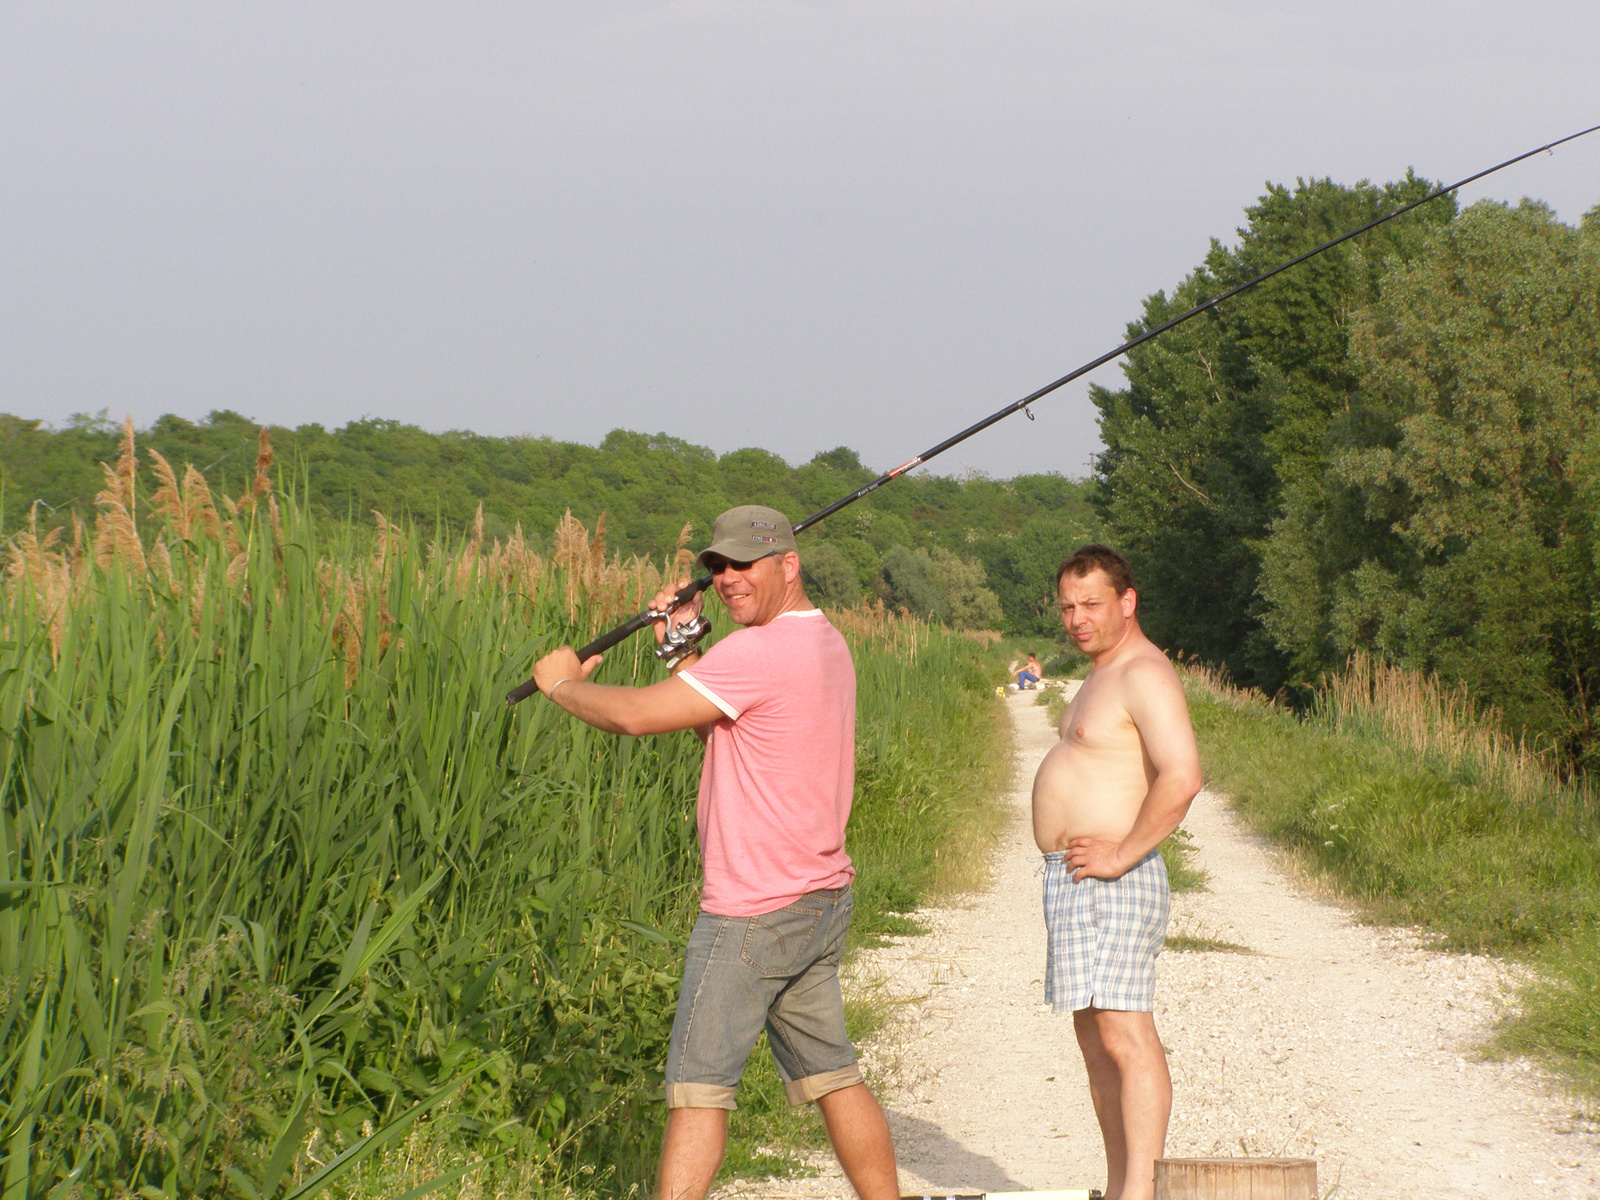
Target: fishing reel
(682, 640)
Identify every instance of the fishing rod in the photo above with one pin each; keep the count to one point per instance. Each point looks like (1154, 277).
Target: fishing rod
(688, 592)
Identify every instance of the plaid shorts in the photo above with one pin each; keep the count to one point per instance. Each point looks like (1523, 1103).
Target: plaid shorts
(1103, 935)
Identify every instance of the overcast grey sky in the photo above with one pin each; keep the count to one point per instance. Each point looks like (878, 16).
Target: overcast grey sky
(742, 222)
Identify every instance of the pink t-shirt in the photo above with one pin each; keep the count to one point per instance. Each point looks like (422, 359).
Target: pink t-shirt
(780, 767)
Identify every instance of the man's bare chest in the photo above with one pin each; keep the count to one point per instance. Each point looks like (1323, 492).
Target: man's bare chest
(1097, 723)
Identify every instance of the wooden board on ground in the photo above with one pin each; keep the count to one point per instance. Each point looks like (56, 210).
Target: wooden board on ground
(1236, 1179)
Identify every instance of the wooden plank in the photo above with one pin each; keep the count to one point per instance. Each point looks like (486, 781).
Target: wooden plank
(1236, 1179)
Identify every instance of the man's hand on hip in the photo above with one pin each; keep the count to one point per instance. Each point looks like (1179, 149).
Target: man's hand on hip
(1095, 858)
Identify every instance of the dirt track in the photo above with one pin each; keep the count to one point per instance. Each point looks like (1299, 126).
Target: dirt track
(1330, 1040)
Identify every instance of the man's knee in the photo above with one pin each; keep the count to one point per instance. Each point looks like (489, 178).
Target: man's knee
(1125, 1036)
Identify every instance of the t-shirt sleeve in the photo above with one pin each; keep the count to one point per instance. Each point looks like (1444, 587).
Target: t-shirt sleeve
(733, 674)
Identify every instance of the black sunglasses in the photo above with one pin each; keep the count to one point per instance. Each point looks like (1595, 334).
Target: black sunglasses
(718, 565)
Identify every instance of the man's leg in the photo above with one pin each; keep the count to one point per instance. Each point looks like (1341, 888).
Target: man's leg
(1132, 1093)
(1105, 1090)
(806, 1030)
(691, 1152)
(721, 1007)
(860, 1137)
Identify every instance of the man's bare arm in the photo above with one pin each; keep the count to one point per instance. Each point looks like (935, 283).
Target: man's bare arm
(660, 708)
(1155, 702)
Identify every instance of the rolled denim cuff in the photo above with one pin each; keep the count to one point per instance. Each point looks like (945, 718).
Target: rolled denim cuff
(699, 1095)
(815, 1087)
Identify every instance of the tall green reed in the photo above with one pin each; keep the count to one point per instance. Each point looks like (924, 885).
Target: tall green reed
(277, 859)
(283, 881)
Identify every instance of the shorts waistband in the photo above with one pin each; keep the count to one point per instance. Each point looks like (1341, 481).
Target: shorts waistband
(1056, 856)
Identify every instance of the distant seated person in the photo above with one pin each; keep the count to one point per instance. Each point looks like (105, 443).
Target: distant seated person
(1028, 677)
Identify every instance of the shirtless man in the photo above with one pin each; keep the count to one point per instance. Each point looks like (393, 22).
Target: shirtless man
(1119, 781)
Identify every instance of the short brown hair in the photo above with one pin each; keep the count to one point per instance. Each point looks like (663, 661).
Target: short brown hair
(1097, 557)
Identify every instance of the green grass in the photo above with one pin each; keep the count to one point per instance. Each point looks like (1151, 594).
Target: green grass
(282, 877)
(1432, 840)
(1183, 943)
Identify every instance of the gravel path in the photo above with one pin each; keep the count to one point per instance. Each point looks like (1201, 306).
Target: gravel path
(1328, 1039)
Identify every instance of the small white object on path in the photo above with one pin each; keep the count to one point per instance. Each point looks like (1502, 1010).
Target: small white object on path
(1332, 1040)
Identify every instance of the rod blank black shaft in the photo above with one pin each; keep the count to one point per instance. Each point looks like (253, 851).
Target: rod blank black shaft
(627, 629)
(607, 640)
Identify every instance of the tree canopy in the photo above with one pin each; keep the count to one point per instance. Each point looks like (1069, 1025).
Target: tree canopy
(1392, 449)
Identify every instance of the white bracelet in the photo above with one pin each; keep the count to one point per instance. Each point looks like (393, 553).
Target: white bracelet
(550, 695)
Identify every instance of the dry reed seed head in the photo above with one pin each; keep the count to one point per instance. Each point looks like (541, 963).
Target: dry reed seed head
(261, 480)
(391, 542)
(128, 464)
(572, 540)
(275, 520)
(116, 537)
(238, 566)
(683, 556)
(199, 510)
(162, 559)
(465, 570)
(197, 603)
(27, 558)
(168, 497)
(111, 490)
(348, 623)
(58, 603)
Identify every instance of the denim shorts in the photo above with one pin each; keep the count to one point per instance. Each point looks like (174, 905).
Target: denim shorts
(779, 971)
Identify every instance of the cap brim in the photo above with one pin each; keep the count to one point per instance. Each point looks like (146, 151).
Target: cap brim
(733, 552)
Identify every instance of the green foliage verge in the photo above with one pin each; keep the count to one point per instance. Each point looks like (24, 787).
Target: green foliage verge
(1435, 841)
(288, 896)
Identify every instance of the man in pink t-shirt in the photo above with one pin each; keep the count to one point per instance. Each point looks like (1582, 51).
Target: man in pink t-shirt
(775, 704)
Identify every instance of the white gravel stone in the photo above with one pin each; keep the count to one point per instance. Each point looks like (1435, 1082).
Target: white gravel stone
(1334, 1040)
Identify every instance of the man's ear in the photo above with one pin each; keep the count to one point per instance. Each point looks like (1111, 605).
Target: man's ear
(1130, 602)
(791, 566)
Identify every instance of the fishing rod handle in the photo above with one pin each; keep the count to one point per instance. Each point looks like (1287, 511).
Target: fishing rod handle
(648, 617)
(621, 633)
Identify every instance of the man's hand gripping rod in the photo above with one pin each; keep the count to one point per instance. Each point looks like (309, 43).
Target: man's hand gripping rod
(606, 641)
(679, 641)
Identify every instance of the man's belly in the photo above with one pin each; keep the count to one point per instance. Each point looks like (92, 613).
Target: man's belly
(1080, 794)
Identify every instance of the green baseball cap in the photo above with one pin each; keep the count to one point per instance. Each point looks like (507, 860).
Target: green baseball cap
(749, 532)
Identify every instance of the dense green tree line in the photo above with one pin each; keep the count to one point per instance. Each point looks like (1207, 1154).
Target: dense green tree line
(975, 553)
(1394, 448)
